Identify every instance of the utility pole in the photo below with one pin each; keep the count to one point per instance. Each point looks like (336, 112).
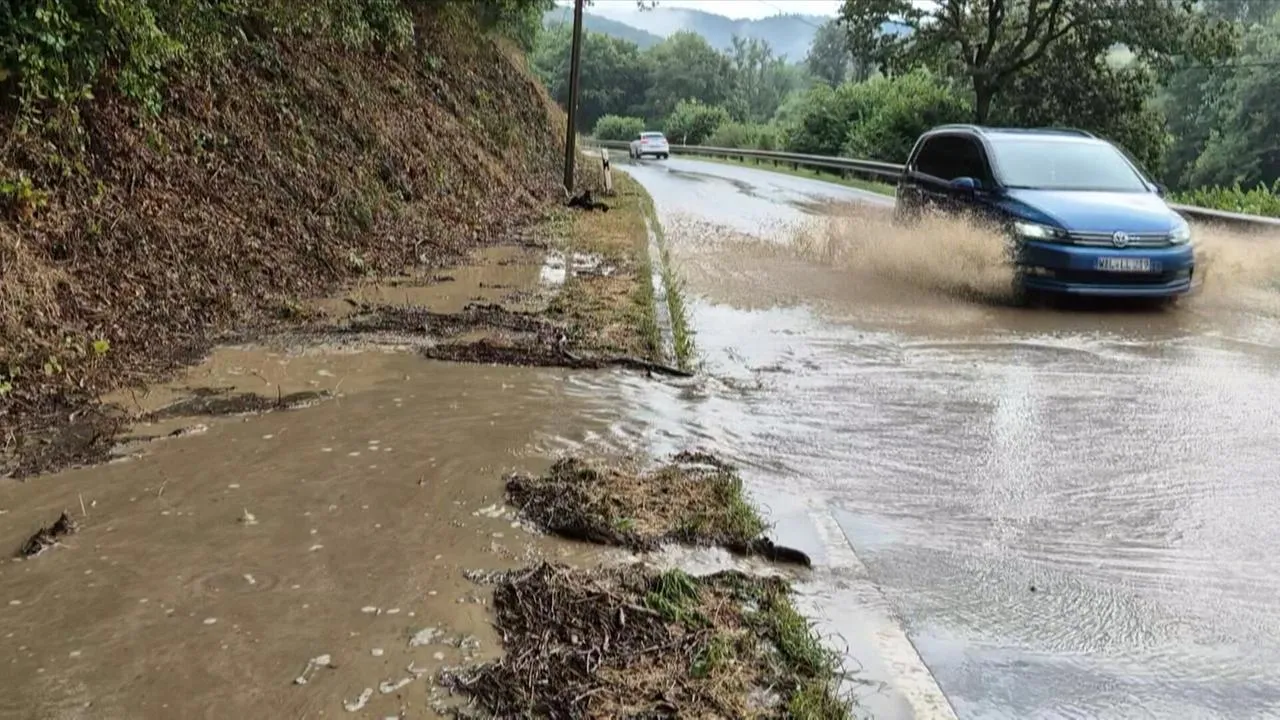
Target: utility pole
(571, 135)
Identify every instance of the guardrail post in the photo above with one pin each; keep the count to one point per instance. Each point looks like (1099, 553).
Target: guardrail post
(608, 176)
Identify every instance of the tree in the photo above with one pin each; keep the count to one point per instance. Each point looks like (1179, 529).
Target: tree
(1243, 142)
(830, 58)
(685, 66)
(760, 80)
(991, 43)
(1117, 103)
(614, 73)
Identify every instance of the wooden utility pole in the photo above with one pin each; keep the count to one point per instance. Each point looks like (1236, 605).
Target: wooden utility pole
(571, 135)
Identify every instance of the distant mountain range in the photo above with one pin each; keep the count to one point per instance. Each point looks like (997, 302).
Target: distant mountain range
(601, 24)
(788, 35)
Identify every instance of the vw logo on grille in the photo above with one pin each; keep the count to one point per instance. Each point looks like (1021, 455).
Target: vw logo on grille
(1120, 239)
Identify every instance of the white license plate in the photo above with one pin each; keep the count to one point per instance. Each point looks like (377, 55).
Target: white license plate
(1127, 264)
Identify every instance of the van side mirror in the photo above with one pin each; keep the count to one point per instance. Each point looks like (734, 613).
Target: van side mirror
(966, 185)
(1162, 189)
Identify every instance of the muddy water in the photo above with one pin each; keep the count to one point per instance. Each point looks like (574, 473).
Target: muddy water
(210, 569)
(1071, 511)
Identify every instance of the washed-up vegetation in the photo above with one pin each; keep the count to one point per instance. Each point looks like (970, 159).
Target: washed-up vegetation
(631, 642)
(694, 499)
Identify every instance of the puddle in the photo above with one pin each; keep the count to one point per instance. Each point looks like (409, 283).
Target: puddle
(558, 266)
(502, 274)
(241, 557)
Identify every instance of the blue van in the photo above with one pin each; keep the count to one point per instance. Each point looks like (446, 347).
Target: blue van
(1084, 219)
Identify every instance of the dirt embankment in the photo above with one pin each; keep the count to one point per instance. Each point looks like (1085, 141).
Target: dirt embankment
(298, 165)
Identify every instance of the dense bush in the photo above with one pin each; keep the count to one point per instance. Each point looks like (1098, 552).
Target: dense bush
(616, 127)
(895, 112)
(878, 119)
(693, 122)
(1259, 201)
(745, 135)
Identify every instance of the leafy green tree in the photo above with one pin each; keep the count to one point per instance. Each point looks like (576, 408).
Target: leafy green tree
(616, 127)
(685, 66)
(614, 74)
(760, 79)
(992, 43)
(1242, 145)
(1117, 103)
(830, 59)
(693, 122)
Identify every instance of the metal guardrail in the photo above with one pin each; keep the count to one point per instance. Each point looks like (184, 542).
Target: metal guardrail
(884, 170)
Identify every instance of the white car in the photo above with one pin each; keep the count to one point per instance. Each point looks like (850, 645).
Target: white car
(650, 143)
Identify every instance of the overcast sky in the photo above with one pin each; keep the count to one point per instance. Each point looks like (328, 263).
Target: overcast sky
(739, 8)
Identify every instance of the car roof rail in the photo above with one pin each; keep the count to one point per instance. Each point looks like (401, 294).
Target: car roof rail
(958, 126)
(1071, 131)
(1042, 131)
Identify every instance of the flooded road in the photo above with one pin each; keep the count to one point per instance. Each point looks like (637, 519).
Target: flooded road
(1072, 511)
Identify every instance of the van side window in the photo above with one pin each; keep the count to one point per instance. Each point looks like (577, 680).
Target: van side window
(951, 156)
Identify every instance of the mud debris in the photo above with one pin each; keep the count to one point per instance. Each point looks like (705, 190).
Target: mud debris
(584, 201)
(695, 498)
(475, 316)
(632, 642)
(217, 402)
(65, 435)
(48, 536)
(486, 351)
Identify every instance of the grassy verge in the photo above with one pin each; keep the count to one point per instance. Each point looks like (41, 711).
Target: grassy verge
(868, 185)
(608, 298)
(681, 329)
(631, 642)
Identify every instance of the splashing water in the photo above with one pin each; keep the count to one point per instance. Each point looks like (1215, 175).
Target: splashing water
(945, 255)
(1239, 269)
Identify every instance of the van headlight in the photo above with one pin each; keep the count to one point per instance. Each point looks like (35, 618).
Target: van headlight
(1181, 234)
(1035, 231)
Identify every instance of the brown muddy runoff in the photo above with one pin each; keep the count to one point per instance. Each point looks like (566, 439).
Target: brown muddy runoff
(206, 573)
(938, 260)
(296, 509)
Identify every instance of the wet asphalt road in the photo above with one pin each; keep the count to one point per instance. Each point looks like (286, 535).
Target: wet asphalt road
(1072, 512)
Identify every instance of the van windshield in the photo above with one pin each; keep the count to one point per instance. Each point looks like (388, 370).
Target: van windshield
(652, 135)
(1041, 164)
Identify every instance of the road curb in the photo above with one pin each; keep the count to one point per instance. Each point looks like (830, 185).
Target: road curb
(909, 675)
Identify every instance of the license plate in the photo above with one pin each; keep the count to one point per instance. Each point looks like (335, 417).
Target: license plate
(1127, 264)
